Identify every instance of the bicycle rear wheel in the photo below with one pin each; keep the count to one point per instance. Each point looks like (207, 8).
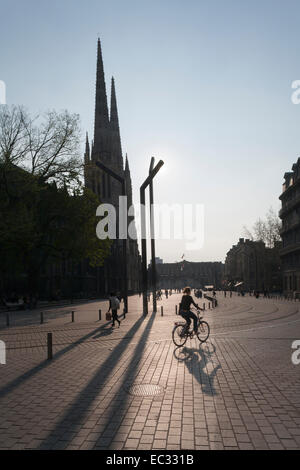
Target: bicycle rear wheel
(178, 335)
(203, 331)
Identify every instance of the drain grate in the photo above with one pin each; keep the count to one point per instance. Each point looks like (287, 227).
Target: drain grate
(141, 390)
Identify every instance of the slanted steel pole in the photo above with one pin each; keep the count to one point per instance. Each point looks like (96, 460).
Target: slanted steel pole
(125, 281)
(125, 258)
(152, 173)
(152, 234)
(144, 251)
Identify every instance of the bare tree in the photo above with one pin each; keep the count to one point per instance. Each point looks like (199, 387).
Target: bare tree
(46, 146)
(273, 226)
(267, 230)
(14, 144)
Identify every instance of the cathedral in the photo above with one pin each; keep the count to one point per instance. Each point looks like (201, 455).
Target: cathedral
(106, 148)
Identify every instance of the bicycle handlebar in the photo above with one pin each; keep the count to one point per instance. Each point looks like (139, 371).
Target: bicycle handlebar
(197, 308)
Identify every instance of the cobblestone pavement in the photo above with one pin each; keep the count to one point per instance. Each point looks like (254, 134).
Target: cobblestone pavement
(131, 388)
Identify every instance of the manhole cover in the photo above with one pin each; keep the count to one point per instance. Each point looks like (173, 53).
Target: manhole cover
(144, 390)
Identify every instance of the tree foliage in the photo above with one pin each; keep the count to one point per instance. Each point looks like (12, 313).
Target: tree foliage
(47, 146)
(266, 230)
(46, 216)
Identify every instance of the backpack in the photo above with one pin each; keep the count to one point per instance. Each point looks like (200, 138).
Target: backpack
(115, 303)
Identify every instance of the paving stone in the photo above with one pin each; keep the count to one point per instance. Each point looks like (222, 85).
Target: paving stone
(237, 392)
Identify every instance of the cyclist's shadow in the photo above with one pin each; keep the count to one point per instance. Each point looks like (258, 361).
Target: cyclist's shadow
(198, 362)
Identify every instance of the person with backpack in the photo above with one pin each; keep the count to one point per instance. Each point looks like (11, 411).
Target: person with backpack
(114, 305)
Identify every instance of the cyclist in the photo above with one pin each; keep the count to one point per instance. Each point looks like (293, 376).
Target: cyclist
(185, 311)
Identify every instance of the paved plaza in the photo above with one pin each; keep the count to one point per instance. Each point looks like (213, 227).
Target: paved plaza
(131, 388)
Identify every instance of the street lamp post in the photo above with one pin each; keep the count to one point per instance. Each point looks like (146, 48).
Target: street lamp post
(123, 183)
(148, 180)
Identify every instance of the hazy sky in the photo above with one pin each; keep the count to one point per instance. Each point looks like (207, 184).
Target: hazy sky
(203, 85)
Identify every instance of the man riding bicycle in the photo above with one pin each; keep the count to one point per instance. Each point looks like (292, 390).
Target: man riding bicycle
(184, 309)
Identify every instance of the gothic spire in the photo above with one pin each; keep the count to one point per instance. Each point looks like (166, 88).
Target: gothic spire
(92, 149)
(114, 119)
(87, 150)
(101, 108)
(116, 148)
(128, 181)
(127, 165)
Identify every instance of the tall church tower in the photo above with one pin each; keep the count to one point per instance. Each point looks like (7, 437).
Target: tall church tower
(106, 148)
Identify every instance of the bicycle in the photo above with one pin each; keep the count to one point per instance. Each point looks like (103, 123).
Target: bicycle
(181, 333)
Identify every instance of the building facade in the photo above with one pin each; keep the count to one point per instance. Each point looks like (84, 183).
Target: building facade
(106, 148)
(290, 232)
(193, 274)
(251, 266)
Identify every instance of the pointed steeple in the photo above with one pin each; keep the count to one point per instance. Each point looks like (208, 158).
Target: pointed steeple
(128, 181)
(116, 148)
(114, 119)
(126, 165)
(87, 150)
(101, 108)
(92, 149)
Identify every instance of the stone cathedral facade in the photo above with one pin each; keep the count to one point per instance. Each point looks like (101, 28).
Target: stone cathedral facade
(106, 148)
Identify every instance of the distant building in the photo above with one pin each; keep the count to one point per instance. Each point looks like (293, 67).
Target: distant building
(290, 232)
(157, 261)
(186, 273)
(250, 266)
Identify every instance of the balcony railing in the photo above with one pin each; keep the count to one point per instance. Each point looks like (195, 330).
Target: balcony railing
(290, 248)
(290, 225)
(287, 206)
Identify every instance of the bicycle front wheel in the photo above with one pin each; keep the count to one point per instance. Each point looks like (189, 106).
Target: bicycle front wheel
(203, 331)
(179, 336)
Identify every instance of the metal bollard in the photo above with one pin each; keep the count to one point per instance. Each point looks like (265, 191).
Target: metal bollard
(42, 318)
(176, 309)
(204, 306)
(99, 314)
(72, 316)
(7, 319)
(162, 311)
(49, 346)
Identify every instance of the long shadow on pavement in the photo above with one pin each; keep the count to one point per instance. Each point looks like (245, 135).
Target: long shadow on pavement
(74, 415)
(196, 360)
(35, 370)
(116, 415)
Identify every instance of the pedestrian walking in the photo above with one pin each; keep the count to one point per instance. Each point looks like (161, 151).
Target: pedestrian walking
(114, 305)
